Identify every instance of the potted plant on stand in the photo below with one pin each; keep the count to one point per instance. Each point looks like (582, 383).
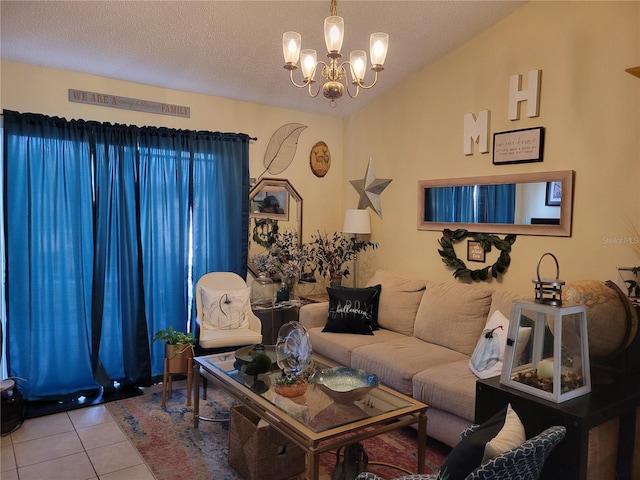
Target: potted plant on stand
(332, 254)
(178, 358)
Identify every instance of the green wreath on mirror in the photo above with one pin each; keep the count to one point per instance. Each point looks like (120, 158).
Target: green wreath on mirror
(265, 231)
(488, 241)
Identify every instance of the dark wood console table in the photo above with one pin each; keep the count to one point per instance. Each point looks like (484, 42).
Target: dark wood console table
(603, 427)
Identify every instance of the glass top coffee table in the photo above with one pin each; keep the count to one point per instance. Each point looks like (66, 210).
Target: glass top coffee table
(312, 421)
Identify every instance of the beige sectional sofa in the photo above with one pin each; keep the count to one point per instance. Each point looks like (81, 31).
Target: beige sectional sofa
(428, 331)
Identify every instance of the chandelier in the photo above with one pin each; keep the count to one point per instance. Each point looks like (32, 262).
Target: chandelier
(333, 73)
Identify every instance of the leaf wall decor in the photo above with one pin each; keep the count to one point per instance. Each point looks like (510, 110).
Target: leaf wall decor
(282, 148)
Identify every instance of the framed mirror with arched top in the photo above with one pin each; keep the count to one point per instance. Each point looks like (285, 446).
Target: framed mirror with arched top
(274, 205)
(526, 204)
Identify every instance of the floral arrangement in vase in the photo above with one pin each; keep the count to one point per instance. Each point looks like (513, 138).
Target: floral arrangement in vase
(285, 258)
(332, 253)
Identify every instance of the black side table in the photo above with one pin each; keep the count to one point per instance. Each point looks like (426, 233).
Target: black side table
(601, 427)
(273, 318)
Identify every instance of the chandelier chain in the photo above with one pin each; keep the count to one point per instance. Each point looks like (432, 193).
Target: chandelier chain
(333, 8)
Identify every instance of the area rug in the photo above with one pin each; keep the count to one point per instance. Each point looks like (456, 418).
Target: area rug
(173, 448)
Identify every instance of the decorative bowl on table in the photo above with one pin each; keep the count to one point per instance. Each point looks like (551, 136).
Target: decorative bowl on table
(344, 385)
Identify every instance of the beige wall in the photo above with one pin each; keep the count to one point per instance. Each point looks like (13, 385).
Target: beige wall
(590, 108)
(27, 88)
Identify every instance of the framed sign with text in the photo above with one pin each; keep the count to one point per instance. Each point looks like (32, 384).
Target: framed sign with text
(518, 146)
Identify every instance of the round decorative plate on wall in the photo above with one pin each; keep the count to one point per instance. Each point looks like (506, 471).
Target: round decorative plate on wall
(320, 159)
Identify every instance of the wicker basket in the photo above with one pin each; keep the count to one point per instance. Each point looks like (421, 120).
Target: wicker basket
(260, 452)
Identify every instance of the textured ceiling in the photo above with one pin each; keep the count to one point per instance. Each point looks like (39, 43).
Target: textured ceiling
(233, 49)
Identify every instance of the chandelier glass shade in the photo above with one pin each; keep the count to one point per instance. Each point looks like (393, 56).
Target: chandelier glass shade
(333, 74)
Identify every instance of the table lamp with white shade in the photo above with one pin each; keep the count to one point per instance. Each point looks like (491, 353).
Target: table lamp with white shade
(356, 221)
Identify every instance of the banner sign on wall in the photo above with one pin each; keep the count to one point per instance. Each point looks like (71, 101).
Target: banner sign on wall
(113, 101)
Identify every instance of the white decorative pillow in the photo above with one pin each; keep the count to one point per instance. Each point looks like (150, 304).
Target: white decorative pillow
(225, 310)
(486, 360)
(488, 356)
(510, 436)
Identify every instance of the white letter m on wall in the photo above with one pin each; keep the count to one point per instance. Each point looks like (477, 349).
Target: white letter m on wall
(476, 131)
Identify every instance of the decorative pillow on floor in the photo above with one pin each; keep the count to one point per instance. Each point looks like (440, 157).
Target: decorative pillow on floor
(225, 310)
(351, 310)
(376, 300)
(500, 433)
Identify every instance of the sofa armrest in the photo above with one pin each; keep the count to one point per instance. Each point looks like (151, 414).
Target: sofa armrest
(314, 314)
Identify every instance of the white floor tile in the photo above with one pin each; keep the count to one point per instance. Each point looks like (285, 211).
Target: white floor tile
(6, 441)
(71, 467)
(138, 472)
(89, 416)
(101, 435)
(42, 427)
(47, 448)
(114, 457)
(8, 461)
(10, 475)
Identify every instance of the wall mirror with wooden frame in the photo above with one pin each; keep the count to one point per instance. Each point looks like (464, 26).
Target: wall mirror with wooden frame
(526, 204)
(274, 206)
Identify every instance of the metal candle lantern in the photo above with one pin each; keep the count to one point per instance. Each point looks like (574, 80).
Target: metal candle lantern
(548, 290)
(547, 351)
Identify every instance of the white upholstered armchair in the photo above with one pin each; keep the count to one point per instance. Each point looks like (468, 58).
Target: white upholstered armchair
(224, 319)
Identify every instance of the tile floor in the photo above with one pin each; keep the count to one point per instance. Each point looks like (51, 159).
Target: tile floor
(82, 444)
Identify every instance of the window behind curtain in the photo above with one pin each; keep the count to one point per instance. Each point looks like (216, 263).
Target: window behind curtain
(143, 187)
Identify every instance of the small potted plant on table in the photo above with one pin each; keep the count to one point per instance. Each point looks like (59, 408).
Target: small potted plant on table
(289, 385)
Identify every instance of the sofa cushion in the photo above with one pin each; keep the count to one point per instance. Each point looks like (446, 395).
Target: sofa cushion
(338, 346)
(453, 315)
(503, 300)
(395, 362)
(450, 386)
(399, 301)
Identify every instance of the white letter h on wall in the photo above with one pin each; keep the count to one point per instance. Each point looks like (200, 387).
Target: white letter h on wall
(531, 94)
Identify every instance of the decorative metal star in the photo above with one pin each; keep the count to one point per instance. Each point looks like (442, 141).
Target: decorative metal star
(370, 188)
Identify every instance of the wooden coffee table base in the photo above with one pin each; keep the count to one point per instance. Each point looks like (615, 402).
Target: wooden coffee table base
(314, 443)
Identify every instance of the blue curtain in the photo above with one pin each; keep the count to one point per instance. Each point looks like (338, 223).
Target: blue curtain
(164, 222)
(49, 245)
(220, 204)
(98, 240)
(471, 204)
(497, 203)
(450, 204)
(120, 339)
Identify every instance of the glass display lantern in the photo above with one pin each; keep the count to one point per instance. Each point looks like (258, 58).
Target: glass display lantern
(547, 351)
(263, 292)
